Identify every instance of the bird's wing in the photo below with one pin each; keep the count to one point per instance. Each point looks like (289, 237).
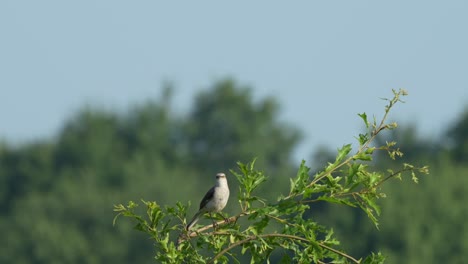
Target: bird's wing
(208, 196)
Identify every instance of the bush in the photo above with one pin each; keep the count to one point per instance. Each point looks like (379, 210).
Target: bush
(264, 229)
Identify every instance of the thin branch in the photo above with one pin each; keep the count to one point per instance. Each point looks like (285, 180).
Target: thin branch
(280, 220)
(310, 201)
(238, 243)
(392, 175)
(339, 253)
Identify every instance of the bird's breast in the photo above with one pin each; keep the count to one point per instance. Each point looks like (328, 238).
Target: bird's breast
(220, 199)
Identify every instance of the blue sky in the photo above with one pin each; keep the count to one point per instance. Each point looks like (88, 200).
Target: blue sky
(325, 61)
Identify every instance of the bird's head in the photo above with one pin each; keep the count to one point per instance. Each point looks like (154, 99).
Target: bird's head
(220, 176)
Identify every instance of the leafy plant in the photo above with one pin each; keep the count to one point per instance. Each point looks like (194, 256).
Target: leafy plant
(262, 228)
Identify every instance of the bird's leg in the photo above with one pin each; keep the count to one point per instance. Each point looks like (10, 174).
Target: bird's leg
(226, 220)
(215, 225)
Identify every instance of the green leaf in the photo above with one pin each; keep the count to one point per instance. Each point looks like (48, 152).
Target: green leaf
(374, 259)
(363, 138)
(364, 118)
(414, 177)
(256, 181)
(293, 185)
(329, 235)
(369, 206)
(301, 180)
(374, 178)
(370, 150)
(342, 153)
(362, 156)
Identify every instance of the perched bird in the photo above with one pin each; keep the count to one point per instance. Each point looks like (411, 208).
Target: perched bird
(214, 200)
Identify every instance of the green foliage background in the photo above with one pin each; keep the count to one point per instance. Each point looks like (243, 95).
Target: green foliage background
(56, 196)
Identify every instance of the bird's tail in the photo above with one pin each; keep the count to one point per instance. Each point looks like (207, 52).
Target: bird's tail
(194, 219)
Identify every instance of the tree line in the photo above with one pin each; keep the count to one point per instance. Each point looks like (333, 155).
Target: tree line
(57, 194)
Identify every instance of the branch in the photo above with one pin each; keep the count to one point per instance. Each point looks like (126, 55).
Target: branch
(191, 234)
(392, 175)
(238, 243)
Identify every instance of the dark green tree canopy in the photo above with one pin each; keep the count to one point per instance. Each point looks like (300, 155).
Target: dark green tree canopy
(458, 138)
(227, 125)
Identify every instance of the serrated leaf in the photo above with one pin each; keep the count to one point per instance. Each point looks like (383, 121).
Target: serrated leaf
(374, 206)
(363, 138)
(302, 177)
(364, 118)
(370, 150)
(374, 178)
(369, 206)
(257, 181)
(362, 156)
(329, 234)
(293, 185)
(342, 153)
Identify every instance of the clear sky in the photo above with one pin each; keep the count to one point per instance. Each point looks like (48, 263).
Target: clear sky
(325, 61)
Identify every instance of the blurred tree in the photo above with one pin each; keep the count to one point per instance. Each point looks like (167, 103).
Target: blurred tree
(458, 139)
(226, 126)
(31, 164)
(427, 223)
(56, 197)
(420, 224)
(415, 147)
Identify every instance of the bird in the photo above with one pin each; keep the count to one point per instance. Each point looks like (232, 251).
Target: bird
(214, 200)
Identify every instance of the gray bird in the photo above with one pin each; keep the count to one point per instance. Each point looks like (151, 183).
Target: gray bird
(214, 200)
